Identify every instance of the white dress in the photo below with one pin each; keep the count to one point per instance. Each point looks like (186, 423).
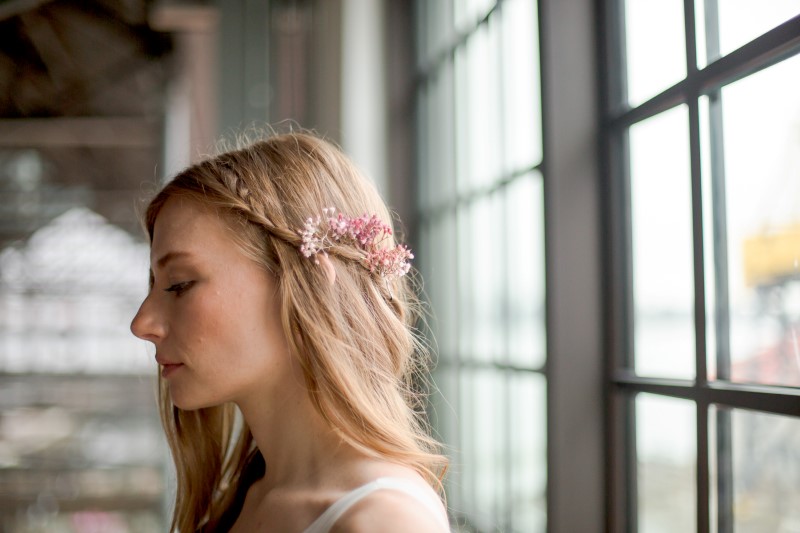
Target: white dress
(426, 496)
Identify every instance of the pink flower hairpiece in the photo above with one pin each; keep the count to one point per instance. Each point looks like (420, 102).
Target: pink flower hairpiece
(364, 232)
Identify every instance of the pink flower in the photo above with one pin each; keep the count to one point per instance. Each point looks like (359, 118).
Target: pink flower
(365, 233)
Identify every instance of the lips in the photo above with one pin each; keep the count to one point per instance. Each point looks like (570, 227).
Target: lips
(169, 370)
(168, 367)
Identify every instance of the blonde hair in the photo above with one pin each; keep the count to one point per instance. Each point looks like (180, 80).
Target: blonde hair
(354, 339)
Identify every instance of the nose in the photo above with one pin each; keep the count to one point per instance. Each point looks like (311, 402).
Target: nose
(147, 324)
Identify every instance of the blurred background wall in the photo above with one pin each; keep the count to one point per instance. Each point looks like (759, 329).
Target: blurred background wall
(602, 196)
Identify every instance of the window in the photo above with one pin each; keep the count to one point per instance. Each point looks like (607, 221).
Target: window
(81, 444)
(480, 206)
(701, 131)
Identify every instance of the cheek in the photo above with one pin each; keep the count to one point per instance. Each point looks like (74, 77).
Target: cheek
(263, 334)
(244, 324)
(203, 321)
(205, 316)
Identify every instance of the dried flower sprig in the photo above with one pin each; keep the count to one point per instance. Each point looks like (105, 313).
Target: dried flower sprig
(364, 232)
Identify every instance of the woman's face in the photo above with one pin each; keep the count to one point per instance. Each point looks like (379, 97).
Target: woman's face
(212, 313)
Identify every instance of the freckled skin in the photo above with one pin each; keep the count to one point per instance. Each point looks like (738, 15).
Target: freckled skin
(225, 326)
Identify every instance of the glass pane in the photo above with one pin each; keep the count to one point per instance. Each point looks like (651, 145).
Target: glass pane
(525, 288)
(666, 464)
(662, 246)
(467, 13)
(463, 120)
(443, 171)
(739, 22)
(447, 423)
(520, 88)
(424, 152)
(420, 36)
(436, 258)
(464, 275)
(483, 100)
(465, 471)
(762, 469)
(437, 31)
(437, 183)
(762, 228)
(441, 285)
(528, 449)
(431, 186)
(484, 426)
(655, 47)
(484, 299)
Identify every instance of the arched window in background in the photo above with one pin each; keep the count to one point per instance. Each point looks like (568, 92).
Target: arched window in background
(81, 446)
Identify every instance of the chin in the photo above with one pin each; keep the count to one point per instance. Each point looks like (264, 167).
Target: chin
(189, 402)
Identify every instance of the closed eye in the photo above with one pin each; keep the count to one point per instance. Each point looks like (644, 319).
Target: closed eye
(180, 288)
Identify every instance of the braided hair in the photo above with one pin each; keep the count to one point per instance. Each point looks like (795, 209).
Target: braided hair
(354, 340)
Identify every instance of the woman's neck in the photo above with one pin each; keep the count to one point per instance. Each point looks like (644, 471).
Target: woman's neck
(299, 447)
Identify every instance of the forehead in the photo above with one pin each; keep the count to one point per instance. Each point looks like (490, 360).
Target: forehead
(184, 224)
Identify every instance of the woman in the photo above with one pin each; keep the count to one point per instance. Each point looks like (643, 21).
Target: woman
(283, 325)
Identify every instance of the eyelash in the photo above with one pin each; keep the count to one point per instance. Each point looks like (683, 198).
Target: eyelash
(179, 288)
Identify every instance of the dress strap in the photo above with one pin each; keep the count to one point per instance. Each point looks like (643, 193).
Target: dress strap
(326, 520)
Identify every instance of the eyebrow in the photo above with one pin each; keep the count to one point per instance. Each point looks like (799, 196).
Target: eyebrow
(169, 256)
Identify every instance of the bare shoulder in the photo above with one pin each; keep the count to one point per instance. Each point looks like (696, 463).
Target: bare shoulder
(389, 511)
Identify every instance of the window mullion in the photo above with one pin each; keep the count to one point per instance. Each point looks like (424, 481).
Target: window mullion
(723, 441)
(622, 497)
(701, 377)
(719, 212)
(697, 205)
(632, 468)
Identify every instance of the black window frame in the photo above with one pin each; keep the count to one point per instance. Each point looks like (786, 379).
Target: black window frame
(622, 383)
